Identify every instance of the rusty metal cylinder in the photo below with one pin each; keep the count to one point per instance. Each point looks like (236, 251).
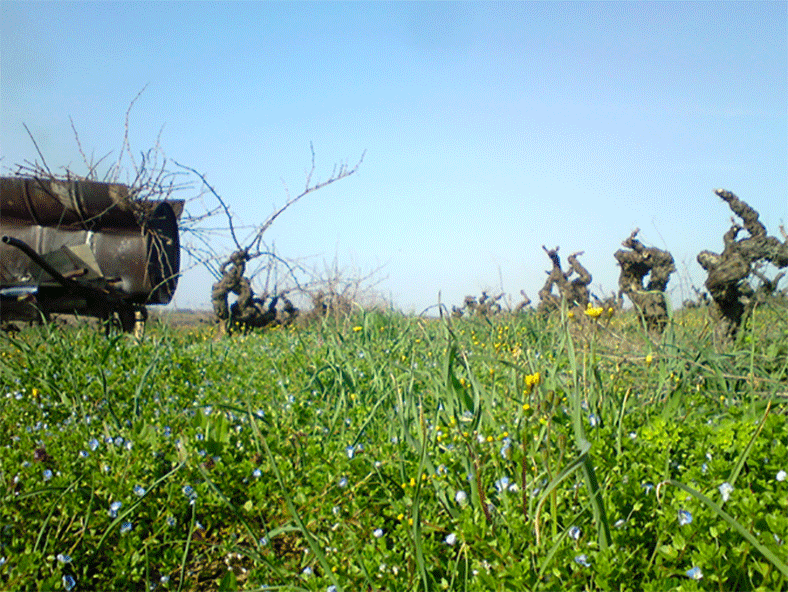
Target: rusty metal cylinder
(134, 244)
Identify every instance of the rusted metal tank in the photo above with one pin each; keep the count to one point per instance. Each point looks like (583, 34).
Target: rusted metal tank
(84, 247)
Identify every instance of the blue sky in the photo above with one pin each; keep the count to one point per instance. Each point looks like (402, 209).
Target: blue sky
(490, 128)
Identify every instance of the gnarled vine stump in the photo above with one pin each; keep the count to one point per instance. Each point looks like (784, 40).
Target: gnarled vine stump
(247, 311)
(574, 291)
(637, 263)
(728, 273)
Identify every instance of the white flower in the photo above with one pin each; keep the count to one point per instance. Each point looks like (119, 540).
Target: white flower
(461, 497)
(378, 532)
(725, 491)
(451, 539)
(781, 475)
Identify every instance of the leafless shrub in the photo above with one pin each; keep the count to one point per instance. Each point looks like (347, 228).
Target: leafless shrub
(335, 292)
(249, 311)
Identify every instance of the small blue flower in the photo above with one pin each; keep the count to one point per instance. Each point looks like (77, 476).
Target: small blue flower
(125, 527)
(69, 582)
(343, 482)
(350, 451)
(684, 517)
(582, 560)
(93, 444)
(694, 573)
(62, 558)
(593, 420)
(263, 541)
(171, 521)
(648, 487)
(575, 532)
(502, 484)
(331, 588)
(113, 509)
(139, 490)
(188, 490)
(83, 454)
(257, 473)
(167, 431)
(118, 441)
(307, 571)
(47, 475)
(200, 437)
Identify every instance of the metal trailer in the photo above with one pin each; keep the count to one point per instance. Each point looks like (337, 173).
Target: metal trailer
(85, 248)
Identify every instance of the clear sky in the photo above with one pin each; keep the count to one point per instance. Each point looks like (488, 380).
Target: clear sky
(490, 128)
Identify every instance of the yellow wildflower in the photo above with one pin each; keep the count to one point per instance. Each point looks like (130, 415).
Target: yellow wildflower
(357, 328)
(649, 359)
(531, 380)
(594, 311)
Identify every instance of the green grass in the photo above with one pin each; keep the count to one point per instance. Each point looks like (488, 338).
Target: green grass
(386, 452)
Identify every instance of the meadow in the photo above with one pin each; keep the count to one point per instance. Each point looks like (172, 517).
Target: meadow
(388, 452)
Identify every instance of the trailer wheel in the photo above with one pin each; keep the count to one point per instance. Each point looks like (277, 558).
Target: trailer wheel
(132, 319)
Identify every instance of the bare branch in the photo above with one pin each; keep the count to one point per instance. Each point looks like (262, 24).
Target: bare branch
(43, 160)
(126, 147)
(221, 201)
(336, 176)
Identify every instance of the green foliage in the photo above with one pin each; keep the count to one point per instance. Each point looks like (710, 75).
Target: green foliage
(396, 453)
